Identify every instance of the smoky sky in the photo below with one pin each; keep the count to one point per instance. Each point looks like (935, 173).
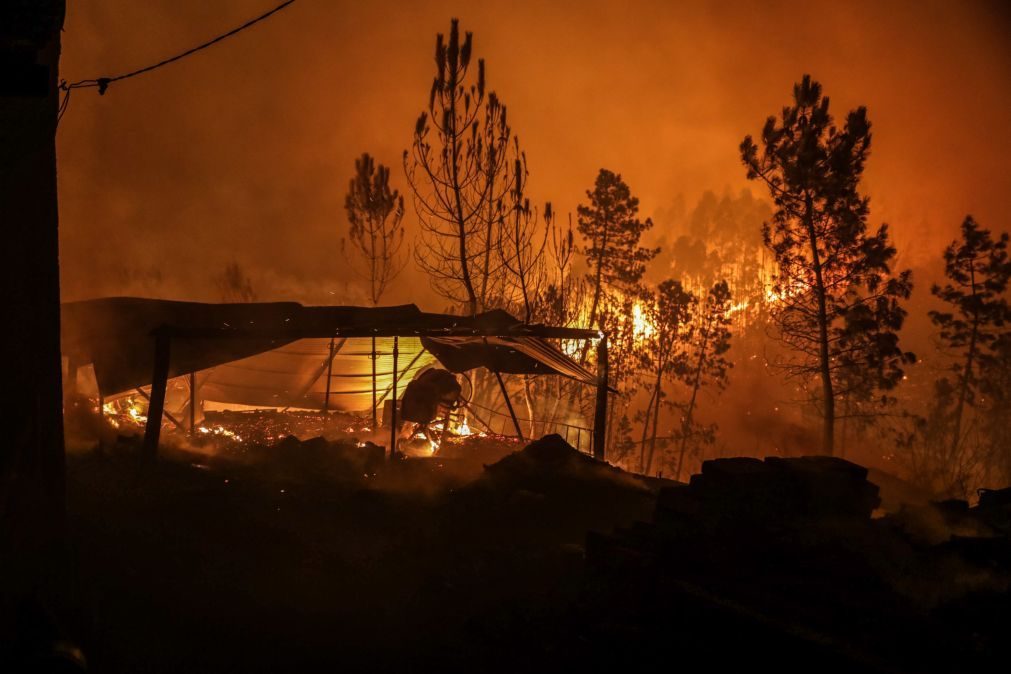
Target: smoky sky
(243, 152)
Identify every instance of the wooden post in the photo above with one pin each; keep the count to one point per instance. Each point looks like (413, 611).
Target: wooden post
(393, 407)
(375, 420)
(600, 413)
(159, 382)
(509, 404)
(329, 373)
(193, 404)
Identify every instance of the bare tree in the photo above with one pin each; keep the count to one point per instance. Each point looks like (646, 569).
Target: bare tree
(458, 170)
(521, 249)
(376, 214)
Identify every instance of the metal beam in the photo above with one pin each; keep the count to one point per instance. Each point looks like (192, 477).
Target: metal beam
(393, 407)
(316, 332)
(509, 404)
(329, 376)
(600, 413)
(165, 413)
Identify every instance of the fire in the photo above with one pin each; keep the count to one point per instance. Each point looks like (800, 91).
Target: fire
(219, 431)
(126, 411)
(642, 327)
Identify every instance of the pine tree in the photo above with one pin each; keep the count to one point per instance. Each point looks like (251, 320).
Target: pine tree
(376, 213)
(833, 274)
(459, 172)
(611, 226)
(978, 271)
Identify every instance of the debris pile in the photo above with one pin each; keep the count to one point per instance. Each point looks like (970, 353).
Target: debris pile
(785, 556)
(479, 447)
(317, 457)
(548, 491)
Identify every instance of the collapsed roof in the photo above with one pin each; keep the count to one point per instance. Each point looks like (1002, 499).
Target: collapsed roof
(278, 354)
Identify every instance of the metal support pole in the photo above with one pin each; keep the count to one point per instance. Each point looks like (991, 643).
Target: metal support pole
(193, 404)
(393, 407)
(509, 404)
(375, 420)
(159, 382)
(329, 372)
(600, 413)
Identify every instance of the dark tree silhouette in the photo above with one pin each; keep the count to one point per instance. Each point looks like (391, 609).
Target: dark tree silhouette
(663, 352)
(459, 172)
(376, 235)
(707, 362)
(234, 285)
(611, 226)
(838, 301)
(522, 249)
(978, 271)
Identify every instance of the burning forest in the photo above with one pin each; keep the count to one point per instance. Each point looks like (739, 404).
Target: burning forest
(543, 337)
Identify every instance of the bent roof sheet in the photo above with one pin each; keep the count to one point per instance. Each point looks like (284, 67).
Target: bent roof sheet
(259, 355)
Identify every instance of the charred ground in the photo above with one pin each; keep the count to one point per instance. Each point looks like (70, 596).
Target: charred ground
(542, 560)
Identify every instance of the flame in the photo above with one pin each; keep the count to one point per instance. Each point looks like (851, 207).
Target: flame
(220, 431)
(642, 327)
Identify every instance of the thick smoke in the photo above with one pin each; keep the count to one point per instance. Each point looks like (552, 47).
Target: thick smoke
(243, 152)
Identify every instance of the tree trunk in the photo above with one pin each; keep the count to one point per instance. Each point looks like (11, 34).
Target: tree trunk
(645, 432)
(824, 358)
(530, 406)
(32, 488)
(655, 414)
(461, 222)
(687, 422)
(656, 420)
(963, 394)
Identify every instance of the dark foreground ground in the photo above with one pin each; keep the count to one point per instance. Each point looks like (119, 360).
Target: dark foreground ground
(297, 561)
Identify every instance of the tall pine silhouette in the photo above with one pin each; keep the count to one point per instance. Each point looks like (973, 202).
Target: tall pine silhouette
(839, 302)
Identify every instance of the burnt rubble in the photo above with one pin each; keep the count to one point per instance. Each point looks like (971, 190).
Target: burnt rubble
(781, 561)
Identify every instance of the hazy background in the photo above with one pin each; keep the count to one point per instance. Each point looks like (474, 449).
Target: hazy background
(243, 152)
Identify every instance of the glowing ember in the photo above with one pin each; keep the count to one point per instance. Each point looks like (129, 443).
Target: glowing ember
(219, 431)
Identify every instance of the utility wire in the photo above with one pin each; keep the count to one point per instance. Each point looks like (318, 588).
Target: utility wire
(102, 83)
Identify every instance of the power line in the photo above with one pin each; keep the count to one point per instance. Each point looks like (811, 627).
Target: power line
(102, 83)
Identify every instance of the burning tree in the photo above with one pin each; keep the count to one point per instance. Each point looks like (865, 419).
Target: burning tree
(978, 271)
(664, 334)
(611, 226)
(706, 360)
(838, 301)
(375, 213)
(459, 172)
